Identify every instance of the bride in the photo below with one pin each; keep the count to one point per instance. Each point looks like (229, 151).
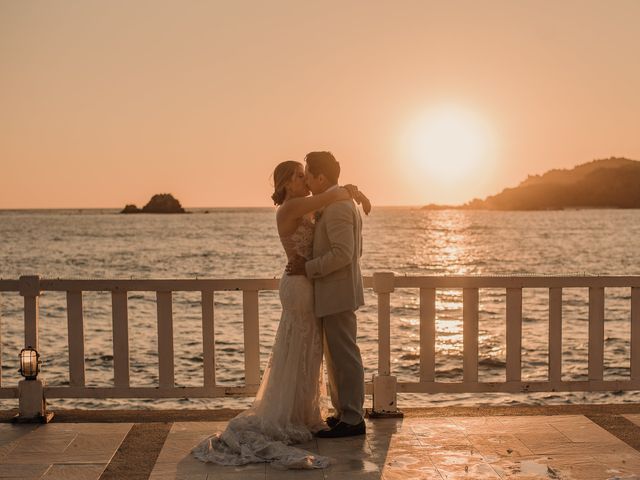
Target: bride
(289, 406)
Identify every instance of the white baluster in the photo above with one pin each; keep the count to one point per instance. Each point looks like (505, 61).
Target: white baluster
(555, 335)
(514, 334)
(635, 334)
(120, 326)
(596, 333)
(75, 330)
(208, 339)
(427, 334)
(165, 339)
(251, 337)
(470, 334)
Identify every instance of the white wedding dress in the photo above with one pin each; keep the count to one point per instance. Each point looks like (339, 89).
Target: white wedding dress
(290, 403)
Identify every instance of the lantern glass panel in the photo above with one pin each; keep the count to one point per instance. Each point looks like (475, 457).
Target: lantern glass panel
(29, 363)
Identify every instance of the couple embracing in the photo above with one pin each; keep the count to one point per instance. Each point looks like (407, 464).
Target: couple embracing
(319, 292)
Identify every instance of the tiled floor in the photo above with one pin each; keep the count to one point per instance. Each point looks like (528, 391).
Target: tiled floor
(523, 447)
(537, 447)
(58, 450)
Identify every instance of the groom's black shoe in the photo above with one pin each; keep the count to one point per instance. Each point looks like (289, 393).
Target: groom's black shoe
(332, 421)
(343, 430)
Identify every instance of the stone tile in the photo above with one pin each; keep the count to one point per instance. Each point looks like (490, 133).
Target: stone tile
(499, 445)
(23, 471)
(528, 425)
(479, 424)
(10, 436)
(10, 432)
(529, 468)
(388, 425)
(438, 426)
(354, 464)
(200, 427)
(411, 460)
(338, 446)
(88, 448)
(168, 474)
(233, 476)
(330, 474)
(405, 474)
(191, 467)
(577, 448)
(389, 422)
(32, 444)
(88, 428)
(443, 449)
(583, 467)
(578, 428)
(400, 440)
(70, 444)
(626, 461)
(470, 470)
(534, 440)
(175, 476)
(431, 439)
(89, 471)
(176, 449)
(634, 417)
(277, 474)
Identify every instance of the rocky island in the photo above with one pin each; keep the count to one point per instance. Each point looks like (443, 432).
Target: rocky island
(606, 183)
(159, 203)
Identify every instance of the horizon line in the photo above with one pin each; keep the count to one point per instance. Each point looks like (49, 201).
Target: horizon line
(3, 209)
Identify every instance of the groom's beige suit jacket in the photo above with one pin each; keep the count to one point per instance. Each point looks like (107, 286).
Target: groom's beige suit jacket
(335, 267)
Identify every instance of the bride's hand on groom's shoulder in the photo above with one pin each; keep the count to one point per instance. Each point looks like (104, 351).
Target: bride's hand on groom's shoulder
(359, 197)
(296, 266)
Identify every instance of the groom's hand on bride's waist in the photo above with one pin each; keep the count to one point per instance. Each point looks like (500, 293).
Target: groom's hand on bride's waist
(296, 266)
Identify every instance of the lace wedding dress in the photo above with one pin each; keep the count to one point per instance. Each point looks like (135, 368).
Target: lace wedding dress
(290, 404)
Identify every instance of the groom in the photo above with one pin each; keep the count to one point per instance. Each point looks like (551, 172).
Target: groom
(335, 270)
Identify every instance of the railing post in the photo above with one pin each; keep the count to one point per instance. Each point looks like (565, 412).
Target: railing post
(32, 405)
(384, 384)
(30, 290)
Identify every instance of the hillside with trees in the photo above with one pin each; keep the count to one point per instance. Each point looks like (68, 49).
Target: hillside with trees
(607, 183)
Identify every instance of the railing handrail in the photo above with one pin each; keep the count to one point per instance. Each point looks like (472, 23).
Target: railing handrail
(400, 281)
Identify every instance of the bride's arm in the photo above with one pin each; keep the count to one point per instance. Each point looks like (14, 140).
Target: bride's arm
(297, 207)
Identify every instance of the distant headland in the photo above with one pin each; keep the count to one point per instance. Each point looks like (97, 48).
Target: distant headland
(606, 183)
(159, 203)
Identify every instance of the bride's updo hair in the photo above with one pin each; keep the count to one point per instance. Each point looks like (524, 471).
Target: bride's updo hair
(281, 176)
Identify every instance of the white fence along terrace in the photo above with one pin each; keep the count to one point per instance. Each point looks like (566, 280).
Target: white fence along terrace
(384, 386)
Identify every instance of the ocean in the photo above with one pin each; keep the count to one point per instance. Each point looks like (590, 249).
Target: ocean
(243, 243)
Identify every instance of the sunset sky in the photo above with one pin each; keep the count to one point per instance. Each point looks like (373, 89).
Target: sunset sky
(106, 103)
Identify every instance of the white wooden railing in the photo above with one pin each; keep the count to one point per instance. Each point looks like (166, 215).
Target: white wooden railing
(383, 285)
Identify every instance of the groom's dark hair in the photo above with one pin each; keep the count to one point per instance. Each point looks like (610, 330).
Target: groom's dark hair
(325, 163)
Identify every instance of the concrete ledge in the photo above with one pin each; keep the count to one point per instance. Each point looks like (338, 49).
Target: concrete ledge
(224, 414)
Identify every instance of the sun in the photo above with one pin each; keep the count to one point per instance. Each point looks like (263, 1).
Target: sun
(449, 144)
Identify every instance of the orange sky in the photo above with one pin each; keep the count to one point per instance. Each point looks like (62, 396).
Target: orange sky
(105, 103)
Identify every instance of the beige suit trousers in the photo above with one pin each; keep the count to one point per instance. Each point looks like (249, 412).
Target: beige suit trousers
(344, 366)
